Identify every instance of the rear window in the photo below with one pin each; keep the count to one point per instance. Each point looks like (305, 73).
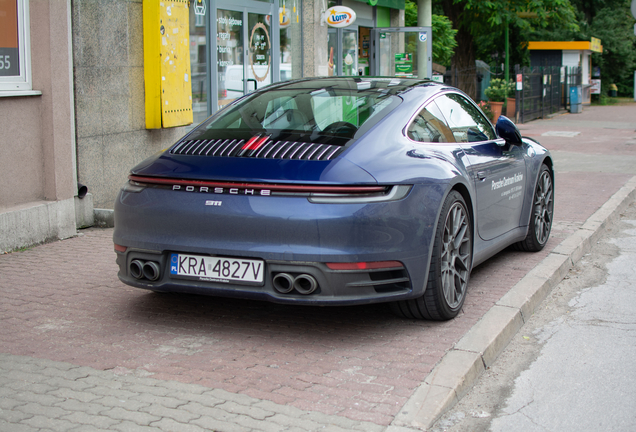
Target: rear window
(301, 112)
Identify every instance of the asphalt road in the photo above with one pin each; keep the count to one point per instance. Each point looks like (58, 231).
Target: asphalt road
(571, 366)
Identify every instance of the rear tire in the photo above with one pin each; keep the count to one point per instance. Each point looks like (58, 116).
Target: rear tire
(450, 266)
(541, 214)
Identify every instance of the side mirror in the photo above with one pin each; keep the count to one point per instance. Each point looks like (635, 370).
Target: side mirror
(507, 130)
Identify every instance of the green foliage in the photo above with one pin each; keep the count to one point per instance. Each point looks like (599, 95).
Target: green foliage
(603, 99)
(499, 90)
(485, 22)
(612, 22)
(444, 42)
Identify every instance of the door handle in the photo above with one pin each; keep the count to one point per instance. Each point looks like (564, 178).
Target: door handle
(252, 80)
(481, 175)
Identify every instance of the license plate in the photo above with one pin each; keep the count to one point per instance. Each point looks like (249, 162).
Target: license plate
(217, 269)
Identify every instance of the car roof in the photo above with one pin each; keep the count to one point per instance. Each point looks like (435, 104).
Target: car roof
(389, 85)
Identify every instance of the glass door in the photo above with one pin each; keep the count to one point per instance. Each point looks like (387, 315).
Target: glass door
(350, 51)
(230, 73)
(342, 47)
(244, 51)
(402, 52)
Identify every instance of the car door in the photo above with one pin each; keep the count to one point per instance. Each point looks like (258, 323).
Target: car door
(497, 168)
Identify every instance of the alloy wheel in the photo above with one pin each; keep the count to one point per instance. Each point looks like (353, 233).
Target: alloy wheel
(456, 254)
(543, 208)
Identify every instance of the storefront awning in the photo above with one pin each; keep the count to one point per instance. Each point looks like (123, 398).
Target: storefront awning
(594, 45)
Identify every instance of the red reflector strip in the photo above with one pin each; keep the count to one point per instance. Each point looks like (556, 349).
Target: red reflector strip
(258, 143)
(120, 248)
(249, 142)
(272, 187)
(255, 142)
(373, 265)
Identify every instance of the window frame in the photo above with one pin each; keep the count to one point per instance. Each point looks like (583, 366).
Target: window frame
(21, 84)
(425, 107)
(478, 111)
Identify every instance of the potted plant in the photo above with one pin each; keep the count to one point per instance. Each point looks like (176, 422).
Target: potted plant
(497, 93)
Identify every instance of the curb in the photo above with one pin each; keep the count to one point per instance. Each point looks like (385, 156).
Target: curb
(460, 367)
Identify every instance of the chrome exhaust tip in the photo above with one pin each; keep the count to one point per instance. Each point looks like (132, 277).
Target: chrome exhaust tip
(283, 283)
(136, 269)
(151, 270)
(305, 284)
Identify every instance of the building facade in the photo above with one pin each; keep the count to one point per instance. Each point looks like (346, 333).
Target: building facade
(38, 173)
(84, 117)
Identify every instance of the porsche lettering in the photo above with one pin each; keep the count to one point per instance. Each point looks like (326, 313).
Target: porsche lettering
(220, 190)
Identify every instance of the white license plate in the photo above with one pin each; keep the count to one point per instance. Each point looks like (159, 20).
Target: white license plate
(217, 269)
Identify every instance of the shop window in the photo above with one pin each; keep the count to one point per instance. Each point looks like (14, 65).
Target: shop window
(198, 64)
(15, 56)
(290, 39)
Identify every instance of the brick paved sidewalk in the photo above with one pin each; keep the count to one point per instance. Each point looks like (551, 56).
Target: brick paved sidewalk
(63, 308)
(41, 394)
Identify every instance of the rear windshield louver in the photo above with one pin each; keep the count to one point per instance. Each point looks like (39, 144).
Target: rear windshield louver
(264, 149)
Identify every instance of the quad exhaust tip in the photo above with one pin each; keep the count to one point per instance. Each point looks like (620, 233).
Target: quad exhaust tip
(144, 270)
(285, 283)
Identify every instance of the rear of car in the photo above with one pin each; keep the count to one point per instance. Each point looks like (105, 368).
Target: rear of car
(260, 201)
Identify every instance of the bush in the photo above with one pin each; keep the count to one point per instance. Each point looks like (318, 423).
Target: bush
(499, 90)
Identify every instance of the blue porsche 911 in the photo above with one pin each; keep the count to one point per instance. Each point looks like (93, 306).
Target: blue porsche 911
(336, 191)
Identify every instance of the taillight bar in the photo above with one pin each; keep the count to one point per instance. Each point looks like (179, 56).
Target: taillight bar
(259, 186)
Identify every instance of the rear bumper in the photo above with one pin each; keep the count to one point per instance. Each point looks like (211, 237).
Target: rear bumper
(333, 287)
(290, 234)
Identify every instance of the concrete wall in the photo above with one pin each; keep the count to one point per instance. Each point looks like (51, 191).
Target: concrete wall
(37, 167)
(109, 96)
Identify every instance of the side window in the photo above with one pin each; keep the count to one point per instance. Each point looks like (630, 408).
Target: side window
(467, 123)
(429, 126)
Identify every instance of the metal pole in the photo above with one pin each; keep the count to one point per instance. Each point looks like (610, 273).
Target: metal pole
(507, 58)
(424, 19)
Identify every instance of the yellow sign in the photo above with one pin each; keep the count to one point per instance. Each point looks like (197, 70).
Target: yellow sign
(167, 63)
(596, 46)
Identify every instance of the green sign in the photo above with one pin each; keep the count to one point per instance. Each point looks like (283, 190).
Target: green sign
(404, 68)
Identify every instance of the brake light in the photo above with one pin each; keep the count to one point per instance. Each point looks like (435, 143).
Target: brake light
(120, 248)
(373, 265)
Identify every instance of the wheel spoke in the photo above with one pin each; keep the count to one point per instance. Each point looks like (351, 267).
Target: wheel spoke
(542, 213)
(455, 255)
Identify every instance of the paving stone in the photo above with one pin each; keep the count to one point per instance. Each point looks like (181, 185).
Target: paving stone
(171, 425)
(251, 411)
(212, 424)
(128, 426)
(74, 405)
(17, 427)
(97, 421)
(142, 419)
(47, 423)
(150, 400)
(42, 408)
(13, 416)
(178, 415)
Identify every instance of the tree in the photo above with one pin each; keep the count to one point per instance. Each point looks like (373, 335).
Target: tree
(444, 43)
(612, 22)
(473, 18)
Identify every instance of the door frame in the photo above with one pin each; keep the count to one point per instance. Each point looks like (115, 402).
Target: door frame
(374, 62)
(245, 7)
